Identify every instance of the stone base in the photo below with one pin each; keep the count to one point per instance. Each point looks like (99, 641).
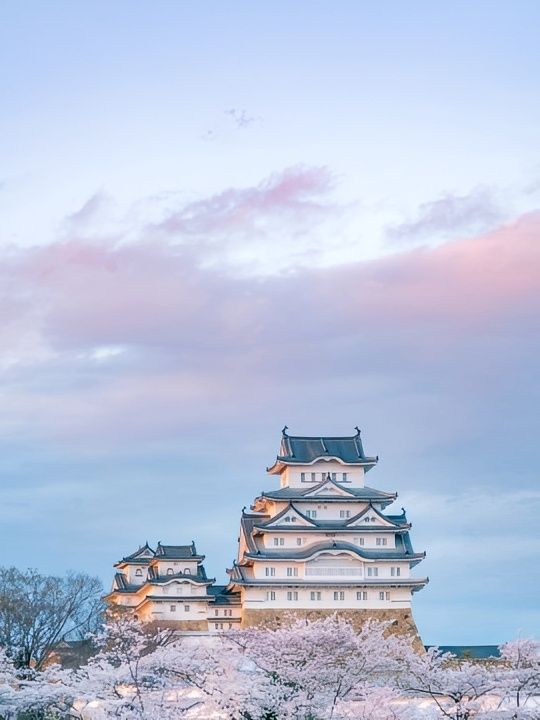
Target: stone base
(402, 621)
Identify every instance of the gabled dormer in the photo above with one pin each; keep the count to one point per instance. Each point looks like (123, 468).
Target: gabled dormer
(329, 488)
(302, 460)
(370, 517)
(290, 517)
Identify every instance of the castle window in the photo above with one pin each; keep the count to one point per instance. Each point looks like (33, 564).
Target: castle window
(270, 571)
(292, 595)
(170, 571)
(358, 541)
(315, 595)
(367, 519)
(138, 572)
(230, 626)
(333, 476)
(271, 595)
(384, 596)
(279, 541)
(216, 625)
(381, 541)
(339, 595)
(372, 571)
(303, 477)
(172, 608)
(362, 595)
(165, 590)
(292, 572)
(313, 477)
(187, 571)
(323, 476)
(287, 519)
(293, 519)
(395, 571)
(299, 541)
(311, 513)
(216, 612)
(186, 608)
(344, 477)
(344, 513)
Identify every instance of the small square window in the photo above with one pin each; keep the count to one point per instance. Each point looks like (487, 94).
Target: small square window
(298, 541)
(303, 477)
(339, 595)
(344, 477)
(362, 595)
(172, 608)
(186, 608)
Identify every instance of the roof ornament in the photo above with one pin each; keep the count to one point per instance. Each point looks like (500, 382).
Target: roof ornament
(284, 431)
(357, 429)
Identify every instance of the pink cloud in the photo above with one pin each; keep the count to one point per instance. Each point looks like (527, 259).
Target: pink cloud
(298, 190)
(201, 346)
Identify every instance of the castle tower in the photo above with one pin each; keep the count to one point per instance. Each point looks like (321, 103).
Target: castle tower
(322, 542)
(168, 587)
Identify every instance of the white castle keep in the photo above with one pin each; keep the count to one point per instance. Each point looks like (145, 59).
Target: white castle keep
(318, 544)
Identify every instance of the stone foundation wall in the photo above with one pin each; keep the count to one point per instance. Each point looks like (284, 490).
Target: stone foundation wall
(402, 620)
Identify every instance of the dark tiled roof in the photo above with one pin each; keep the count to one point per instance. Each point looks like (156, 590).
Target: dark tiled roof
(402, 551)
(355, 494)
(247, 523)
(298, 449)
(473, 652)
(399, 522)
(177, 552)
(200, 575)
(137, 553)
(240, 576)
(174, 598)
(222, 596)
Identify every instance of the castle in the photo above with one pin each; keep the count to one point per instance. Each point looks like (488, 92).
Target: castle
(318, 544)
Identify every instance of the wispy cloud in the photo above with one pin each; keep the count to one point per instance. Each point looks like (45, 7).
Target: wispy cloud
(449, 216)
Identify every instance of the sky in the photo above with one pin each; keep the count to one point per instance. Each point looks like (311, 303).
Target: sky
(220, 218)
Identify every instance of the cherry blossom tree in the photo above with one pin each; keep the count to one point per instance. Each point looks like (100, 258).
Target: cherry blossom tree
(316, 666)
(460, 690)
(518, 678)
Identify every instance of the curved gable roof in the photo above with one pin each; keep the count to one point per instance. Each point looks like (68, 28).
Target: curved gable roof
(304, 450)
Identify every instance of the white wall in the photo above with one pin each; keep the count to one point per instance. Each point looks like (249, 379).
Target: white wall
(311, 538)
(256, 598)
(292, 475)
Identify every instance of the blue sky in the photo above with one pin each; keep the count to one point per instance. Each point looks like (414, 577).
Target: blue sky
(220, 218)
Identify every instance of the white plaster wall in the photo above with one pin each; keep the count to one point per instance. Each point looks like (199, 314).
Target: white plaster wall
(292, 475)
(131, 573)
(177, 566)
(311, 538)
(162, 610)
(256, 598)
(178, 588)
